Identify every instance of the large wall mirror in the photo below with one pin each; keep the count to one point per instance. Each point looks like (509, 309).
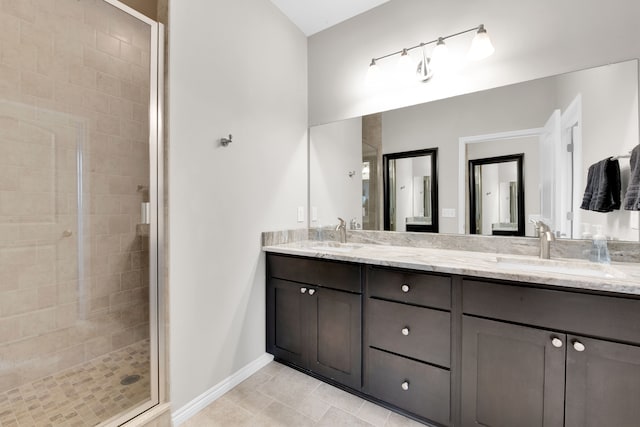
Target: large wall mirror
(562, 124)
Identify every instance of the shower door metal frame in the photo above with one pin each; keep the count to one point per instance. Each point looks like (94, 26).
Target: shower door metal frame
(157, 220)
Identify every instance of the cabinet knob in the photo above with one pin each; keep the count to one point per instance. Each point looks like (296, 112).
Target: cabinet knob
(312, 291)
(405, 288)
(556, 342)
(405, 331)
(303, 290)
(578, 346)
(405, 385)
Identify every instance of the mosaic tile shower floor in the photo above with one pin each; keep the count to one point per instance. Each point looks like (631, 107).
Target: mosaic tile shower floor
(82, 396)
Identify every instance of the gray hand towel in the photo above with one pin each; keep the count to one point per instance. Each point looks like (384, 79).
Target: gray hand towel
(603, 187)
(593, 177)
(632, 197)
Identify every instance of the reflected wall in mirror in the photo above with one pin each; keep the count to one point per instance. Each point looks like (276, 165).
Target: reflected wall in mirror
(335, 152)
(372, 172)
(496, 205)
(411, 191)
(595, 111)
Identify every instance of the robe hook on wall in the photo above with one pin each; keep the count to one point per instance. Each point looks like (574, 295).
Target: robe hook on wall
(226, 141)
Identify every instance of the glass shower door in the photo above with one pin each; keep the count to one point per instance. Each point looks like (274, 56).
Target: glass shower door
(78, 251)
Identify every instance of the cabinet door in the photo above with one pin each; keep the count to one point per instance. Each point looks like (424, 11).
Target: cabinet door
(287, 332)
(603, 383)
(335, 336)
(511, 375)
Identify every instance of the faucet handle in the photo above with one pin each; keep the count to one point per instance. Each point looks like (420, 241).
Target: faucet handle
(540, 225)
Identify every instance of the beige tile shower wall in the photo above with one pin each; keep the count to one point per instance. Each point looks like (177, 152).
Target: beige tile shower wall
(74, 80)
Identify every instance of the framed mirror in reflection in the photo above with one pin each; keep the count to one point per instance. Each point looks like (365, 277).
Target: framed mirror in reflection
(411, 191)
(591, 114)
(496, 204)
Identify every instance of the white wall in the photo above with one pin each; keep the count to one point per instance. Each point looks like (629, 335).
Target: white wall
(532, 39)
(334, 151)
(236, 66)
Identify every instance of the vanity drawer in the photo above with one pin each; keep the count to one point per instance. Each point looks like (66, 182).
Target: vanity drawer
(329, 274)
(426, 393)
(580, 313)
(428, 332)
(428, 290)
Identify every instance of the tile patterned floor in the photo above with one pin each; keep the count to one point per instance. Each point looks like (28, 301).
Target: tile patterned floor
(280, 396)
(81, 396)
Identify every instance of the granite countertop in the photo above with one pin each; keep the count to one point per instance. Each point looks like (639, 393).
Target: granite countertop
(622, 278)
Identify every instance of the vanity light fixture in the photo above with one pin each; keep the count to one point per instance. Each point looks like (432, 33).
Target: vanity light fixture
(406, 67)
(439, 56)
(373, 74)
(425, 69)
(481, 48)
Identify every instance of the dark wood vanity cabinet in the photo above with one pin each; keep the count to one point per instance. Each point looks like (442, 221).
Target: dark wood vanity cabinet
(459, 351)
(541, 374)
(408, 341)
(314, 316)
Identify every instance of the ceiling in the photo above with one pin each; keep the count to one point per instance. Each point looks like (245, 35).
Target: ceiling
(312, 16)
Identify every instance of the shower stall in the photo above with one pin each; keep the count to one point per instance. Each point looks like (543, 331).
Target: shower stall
(80, 199)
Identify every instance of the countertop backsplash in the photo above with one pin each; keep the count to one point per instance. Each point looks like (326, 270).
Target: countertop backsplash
(561, 248)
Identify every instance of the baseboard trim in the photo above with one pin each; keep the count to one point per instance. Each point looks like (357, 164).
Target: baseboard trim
(196, 405)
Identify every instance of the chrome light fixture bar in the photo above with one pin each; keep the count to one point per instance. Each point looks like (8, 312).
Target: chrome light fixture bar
(481, 48)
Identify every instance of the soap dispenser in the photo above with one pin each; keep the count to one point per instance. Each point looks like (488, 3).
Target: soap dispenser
(599, 250)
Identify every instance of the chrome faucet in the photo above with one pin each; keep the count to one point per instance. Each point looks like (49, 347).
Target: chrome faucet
(342, 228)
(546, 237)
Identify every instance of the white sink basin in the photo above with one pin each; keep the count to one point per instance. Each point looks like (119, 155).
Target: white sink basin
(571, 268)
(334, 246)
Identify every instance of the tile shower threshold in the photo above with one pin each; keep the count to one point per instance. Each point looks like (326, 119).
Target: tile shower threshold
(84, 395)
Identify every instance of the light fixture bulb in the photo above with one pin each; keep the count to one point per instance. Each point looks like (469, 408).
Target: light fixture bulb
(440, 56)
(374, 75)
(481, 46)
(406, 67)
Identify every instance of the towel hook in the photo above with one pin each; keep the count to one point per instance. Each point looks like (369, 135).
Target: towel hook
(226, 141)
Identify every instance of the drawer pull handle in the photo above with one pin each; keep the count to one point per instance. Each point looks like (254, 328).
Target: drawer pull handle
(312, 291)
(556, 342)
(405, 331)
(405, 288)
(578, 346)
(405, 385)
(303, 290)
